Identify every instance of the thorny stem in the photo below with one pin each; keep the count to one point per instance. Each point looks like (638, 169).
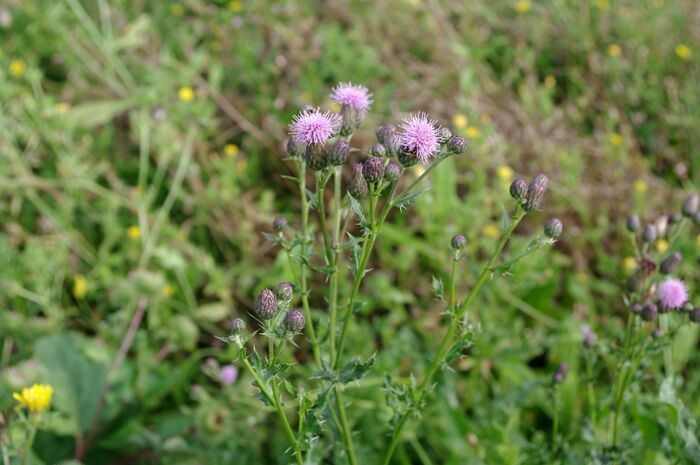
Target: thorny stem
(448, 338)
(668, 351)
(344, 426)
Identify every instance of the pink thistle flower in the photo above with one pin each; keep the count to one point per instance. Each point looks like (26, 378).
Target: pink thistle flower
(352, 95)
(228, 374)
(314, 126)
(419, 135)
(672, 294)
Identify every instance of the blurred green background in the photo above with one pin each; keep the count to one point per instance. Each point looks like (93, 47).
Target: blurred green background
(141, 159)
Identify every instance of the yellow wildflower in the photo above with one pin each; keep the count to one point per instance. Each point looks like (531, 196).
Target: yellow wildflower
(231, 150)
(630, 263)
(134, 232)
(603, 5)
(186, 94)
(177, 10)
(235, 5)
(550, 81)
(640, 186)
(504, 173)
(661, 245)
(614, 50)
(36, 398)
(683, 52)
(79, 286)
(168, 290)
(522, 6)
(472, 132)
(615, 139)
(62, 107)
(460, 121)
(490, 231)
(17, 68)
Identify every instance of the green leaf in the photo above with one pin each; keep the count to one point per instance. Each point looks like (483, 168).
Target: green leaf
(406, 199)
(438, 288)
(506, 219)
(213, 312)
(92, 114)
(359, 211)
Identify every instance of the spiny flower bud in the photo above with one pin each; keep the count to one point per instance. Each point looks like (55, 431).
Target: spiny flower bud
(518, 189)
(392, 144)
(357, 187)
(266, 304)
(407, 158)
(649, 233)
(459, 241)
(315, 157)
(647, 266)
(377, 150)
(695, 315)
(657, 333)
(294, 321)
(560, 373)
(373, 170)
(633, 223)
(589, 337)
(352, 119)
(294, 148)
(553, 228)
(649, 311)
(279, 224)
(535, 192)
(636, 308)
(671, 263)
(635, 282)
(443, 135)
(284, 291)
(392, 172)
(339, 153)
(690, 206)
(457, 144)
(237, 326)
(384, 130)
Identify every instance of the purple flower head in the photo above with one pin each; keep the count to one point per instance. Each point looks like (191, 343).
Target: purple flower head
(352, 95)
(228, 374)
(419, 135)
(314, 126)
(672, 294)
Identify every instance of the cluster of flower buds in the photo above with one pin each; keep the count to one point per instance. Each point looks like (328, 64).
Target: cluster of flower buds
(272, 305)
(530, 195)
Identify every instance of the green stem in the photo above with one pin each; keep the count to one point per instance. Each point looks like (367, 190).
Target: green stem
(668, 349)
(555, 425)
(591, 397)
(344, 426)
(30, 439)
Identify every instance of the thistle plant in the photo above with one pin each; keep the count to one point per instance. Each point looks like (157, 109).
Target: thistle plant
(337, 231)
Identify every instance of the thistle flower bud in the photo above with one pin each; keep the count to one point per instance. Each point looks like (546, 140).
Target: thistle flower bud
(383, 131)
(649, 311)
(553, 228)
(459, 241)
(294, 148)
(392, 144)
(661, 224)
(352, 119)
(266, 304)
(237, 326)
(518, 189)
(294, 321)
(535, 192)
(377, 150)
(279, 224)
(634, 282)
(671, 263)
(647, 266)
(357, 187)
(315, 157)
(649, 233)
(373, 170)
(696, 217)
(284, 291)
(636, 308)
(633, 223)
(695, 315)
(457, 144)
(392, 172)
(657, 333)
(560, 373)
(589, 337)
(443, 135)
(690, 205)
(339, 153)
(407, 158)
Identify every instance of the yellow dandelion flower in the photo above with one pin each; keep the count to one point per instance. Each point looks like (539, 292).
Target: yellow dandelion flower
(134, 232)
(336, 107)
(630, 263)
(640, 186)
(62, 107)
(186, 94)
(79, 286)
(168, 290)
(460, 121)
(490, 231)
(614, 50)
(504, 173)
(603, 5)
(36, 398)
(661, 245)
(615, 139)
(18, 68)
(522, 6)
(235, 5)
(683, 52)
(177, 10)
(472, 132)
(550, 81)
(231, 150)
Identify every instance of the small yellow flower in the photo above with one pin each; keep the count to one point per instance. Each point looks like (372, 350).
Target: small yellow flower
(603, 5)
(62, 107)
(504, 173)
(640, 186)
(168, 290)
(186, 94)
(18, 68)
(630, 263)
(79, 286)
(336, 107)
(472, 132)
(36, 398)
(235, 5)
(550, 81)
(683, 52)
(522, 6)
(661, 245)
(134, 232)
(460, 121)
(615, 139)
(177, 10)
(614, 50)
(490, 231)
(231, 150)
